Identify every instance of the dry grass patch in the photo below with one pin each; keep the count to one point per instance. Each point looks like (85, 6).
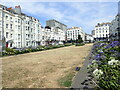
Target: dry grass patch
(42, 69)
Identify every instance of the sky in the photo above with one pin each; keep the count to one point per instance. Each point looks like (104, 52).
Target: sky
(79, 14)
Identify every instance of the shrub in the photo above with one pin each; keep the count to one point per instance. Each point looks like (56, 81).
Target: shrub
(68, 44)
(15, 51)
(79, 44)
(9, 51)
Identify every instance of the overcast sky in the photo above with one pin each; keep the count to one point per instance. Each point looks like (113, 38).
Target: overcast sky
(79, 14)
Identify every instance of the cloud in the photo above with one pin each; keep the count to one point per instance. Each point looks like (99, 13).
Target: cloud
(38, 9)
(84, 14)
(60, 1)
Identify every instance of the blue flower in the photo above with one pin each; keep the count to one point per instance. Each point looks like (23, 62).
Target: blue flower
(112, 51)
(103, 44)
(97, 57)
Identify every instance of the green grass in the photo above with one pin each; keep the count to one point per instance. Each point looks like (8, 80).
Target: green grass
(66, 80)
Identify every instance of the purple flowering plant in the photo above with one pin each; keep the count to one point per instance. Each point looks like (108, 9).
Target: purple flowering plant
(107, 56)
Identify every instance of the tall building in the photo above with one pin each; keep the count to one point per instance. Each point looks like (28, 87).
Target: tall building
(115, 26)
(73, 32)
(101, 31)
(56, 24)
(54, 33)
(17, 29)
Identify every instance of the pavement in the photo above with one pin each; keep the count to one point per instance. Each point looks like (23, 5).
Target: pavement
(83, 79)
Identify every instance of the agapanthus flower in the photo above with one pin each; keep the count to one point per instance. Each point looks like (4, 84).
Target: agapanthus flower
(108, 46)
(112, 51)
(114, 43)
(117, 43)
(102, 44)
(116, 54)
(100, 51)
(114, 62)
(97, 73)
(97, 57)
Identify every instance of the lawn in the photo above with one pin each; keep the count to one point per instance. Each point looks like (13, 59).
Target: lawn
(43, 68)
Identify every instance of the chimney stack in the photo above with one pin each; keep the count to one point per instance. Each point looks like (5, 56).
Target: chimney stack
(17, 9)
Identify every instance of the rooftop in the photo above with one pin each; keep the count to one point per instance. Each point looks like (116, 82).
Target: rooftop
(74, 28)
(12, 10)
(101, 24)
(56, 21)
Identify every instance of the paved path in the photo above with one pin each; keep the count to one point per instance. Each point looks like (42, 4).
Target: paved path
(83, 79)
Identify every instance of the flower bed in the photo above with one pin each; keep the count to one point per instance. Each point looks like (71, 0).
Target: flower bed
(10, 51)
(105, 65)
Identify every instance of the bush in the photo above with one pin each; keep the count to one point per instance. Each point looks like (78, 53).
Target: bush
(79, 44)
(68, 44)
(17, 52)
(10, 51)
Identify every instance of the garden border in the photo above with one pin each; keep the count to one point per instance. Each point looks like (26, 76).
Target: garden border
(36, 51)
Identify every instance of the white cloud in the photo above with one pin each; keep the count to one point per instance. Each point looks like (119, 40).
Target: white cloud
(86, 15)
(60, 0)
(38, 9)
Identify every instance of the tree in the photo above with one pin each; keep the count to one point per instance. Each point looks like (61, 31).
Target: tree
(79, 40)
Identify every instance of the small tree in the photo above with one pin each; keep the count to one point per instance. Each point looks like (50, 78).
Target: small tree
(79, 40)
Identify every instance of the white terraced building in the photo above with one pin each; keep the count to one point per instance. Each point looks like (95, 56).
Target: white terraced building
(73, 32)
(101, 31)
(54, 33)
(17, 29)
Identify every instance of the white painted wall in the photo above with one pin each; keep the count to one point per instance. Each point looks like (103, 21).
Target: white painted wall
(73, 32)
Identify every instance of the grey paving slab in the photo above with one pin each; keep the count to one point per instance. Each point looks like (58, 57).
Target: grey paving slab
(81, 80)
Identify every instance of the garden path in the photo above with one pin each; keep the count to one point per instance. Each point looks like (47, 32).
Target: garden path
(83, 79)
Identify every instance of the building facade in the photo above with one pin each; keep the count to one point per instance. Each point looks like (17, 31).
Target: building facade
(101, 31)
(73, 32)
(89, 38)
(56, 24)
(53, 33)
(115, 26)
(17, 29)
